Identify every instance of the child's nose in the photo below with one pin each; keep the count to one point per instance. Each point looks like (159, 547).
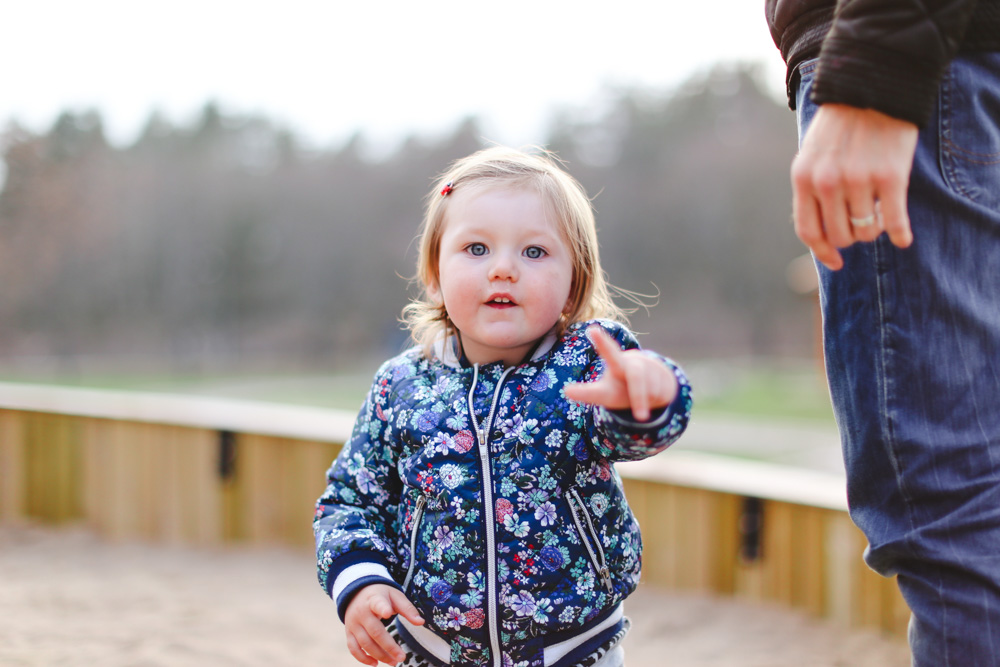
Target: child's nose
(503, 267)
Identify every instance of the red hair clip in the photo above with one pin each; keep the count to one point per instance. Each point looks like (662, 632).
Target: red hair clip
(446, 190)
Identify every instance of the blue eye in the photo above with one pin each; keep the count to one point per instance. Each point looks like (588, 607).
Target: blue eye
(476, 249)
(534, 252)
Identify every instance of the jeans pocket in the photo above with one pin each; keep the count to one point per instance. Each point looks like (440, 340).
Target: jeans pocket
(969, 129)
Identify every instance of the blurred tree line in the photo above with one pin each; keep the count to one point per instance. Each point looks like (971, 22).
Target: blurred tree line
(229, 243)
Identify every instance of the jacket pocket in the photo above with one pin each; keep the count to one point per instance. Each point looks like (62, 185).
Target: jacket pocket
(418, 514)
(588, 535)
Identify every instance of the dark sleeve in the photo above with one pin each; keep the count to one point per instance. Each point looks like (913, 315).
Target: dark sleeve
(889, 55)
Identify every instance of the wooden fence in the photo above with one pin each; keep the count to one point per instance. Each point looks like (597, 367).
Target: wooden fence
(207, 471)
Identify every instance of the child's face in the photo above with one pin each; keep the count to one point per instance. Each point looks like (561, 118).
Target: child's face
(504, 272)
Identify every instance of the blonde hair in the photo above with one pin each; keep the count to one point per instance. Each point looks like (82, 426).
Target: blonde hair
(590, 293)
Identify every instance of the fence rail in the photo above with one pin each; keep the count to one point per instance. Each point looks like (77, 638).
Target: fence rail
(206, 471)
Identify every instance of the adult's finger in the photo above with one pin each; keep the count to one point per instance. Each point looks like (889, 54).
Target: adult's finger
(833, 214)
(892, 179)
(808, 224)
(896, 219)
(864, 213)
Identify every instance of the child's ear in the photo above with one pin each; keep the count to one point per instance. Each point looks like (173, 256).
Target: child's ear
(574, 286)
(568, 306)
(434, 293)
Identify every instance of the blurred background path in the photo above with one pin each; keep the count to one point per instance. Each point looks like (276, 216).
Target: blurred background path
(68, 599)
(801, 443)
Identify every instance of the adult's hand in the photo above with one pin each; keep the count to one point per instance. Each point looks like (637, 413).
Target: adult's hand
(853, 164)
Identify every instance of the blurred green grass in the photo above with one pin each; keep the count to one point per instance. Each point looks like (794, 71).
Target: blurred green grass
(767, 390)
(778, 390)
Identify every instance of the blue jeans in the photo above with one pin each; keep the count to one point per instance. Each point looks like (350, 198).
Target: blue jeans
(912, 342)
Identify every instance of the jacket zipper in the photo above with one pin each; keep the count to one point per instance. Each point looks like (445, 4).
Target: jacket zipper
(482, 437)
(418, 514)
(597, 558)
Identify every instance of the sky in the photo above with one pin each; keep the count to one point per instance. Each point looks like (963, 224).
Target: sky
(329, 68)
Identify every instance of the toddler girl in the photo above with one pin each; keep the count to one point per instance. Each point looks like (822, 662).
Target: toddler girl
(476, 500)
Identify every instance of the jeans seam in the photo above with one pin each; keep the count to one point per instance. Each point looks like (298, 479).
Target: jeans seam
(947, 145)
(952, 148)
(887, 430)
(944, 133)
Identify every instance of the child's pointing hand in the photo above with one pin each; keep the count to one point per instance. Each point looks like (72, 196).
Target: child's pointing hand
(631, 379)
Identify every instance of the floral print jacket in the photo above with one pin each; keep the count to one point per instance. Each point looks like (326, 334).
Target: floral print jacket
(491, 501)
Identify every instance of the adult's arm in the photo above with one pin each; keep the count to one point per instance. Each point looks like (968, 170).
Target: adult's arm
(889, 55)
(877, 80)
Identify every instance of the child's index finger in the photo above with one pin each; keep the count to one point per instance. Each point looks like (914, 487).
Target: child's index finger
(607, 348)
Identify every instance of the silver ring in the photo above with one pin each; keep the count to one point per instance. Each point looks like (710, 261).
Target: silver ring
(866, 221)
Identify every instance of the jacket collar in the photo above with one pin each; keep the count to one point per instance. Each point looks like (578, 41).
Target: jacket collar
(446, 349)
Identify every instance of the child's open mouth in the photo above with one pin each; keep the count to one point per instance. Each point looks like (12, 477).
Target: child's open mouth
(501, 302)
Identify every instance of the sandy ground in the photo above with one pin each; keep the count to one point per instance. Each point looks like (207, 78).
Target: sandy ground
(68, 598)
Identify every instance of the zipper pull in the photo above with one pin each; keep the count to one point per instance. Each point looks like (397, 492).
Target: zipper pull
(481, 434)
(606, 579)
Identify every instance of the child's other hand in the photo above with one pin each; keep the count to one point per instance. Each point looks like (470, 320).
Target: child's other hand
(630, 380)
(367, 639)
